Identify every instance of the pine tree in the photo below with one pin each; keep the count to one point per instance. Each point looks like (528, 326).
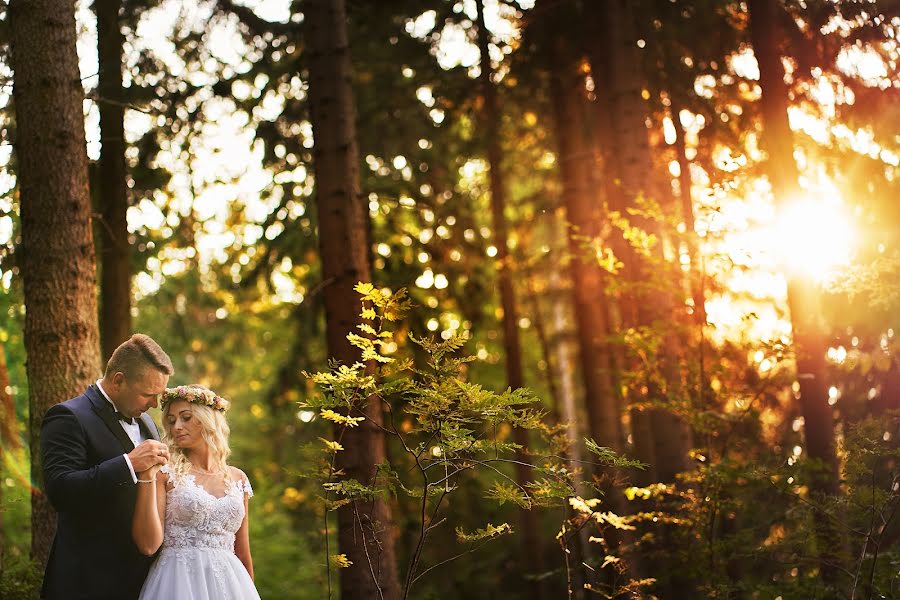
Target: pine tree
(57, 252)
(111, 184)
(364, 529)
(810, 342)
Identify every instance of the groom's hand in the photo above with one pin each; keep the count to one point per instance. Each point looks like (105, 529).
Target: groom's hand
(147, 454)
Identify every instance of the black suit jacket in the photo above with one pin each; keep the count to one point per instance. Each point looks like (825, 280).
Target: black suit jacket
(91, 488)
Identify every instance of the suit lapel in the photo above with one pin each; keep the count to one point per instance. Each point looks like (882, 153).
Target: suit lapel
(151, 431)
(106, 412)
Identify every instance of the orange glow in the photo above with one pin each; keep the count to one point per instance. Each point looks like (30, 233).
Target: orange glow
(752, 247)
(813, 237)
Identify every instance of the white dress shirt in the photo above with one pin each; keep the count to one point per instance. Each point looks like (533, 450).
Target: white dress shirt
(132, 431)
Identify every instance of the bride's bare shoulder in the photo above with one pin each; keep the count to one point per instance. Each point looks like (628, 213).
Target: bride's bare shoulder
(242, 481)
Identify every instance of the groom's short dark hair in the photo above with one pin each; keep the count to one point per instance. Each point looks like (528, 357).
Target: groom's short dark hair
(137, 353)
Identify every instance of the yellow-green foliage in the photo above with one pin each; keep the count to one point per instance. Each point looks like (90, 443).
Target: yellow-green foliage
(453, 427)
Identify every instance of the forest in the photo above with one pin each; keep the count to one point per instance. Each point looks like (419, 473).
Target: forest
(531, 299)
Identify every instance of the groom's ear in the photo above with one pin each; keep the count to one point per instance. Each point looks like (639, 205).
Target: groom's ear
(118, 379)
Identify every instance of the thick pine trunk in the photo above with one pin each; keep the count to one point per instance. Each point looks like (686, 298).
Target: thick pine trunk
(61, 338)
(112, 189)
(810, 342)
(624, 311)
(585, 218)
(661, 438)
(491, 116)
(633, 166)
(364, 529)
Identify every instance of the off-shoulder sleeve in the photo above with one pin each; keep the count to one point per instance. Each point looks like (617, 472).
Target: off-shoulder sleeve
(247, 488)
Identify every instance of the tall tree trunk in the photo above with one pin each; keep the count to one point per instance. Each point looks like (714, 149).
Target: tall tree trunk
(632, 164)
(623, 311)
(558, 354)
(491, 118)
(561, 364)
(115, 264)
(685, 184)
(660, 436)
(810, 342)
(696, 276)
(548, 348)
(61, 338)
(564, 367)
(364, 531)
(585, 216)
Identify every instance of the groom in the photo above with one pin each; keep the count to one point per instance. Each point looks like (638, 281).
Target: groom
(92, 448)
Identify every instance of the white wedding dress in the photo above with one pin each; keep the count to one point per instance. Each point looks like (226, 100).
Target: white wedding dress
(197, 560)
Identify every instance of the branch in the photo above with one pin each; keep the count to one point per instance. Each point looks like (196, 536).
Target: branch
(254, 23)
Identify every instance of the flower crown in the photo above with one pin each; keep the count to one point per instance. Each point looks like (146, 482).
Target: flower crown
(195, 394)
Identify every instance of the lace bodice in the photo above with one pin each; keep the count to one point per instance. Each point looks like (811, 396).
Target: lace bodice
(197, 558)
(197, 519)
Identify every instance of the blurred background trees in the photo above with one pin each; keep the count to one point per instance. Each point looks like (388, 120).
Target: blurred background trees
(673, 220)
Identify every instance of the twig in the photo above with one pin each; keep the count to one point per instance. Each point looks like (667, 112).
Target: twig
(452, 558)
(365, 546)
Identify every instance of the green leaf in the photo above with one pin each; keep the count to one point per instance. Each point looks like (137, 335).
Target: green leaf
(488, 532)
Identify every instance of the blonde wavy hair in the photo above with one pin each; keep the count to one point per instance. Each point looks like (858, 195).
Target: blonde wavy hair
(214, 430)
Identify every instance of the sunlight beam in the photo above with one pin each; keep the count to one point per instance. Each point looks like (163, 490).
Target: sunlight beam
(813, 237)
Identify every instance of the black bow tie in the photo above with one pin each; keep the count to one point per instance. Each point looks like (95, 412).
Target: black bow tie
(124, 419)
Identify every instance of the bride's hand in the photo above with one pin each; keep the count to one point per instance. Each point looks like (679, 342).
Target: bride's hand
(149, 473)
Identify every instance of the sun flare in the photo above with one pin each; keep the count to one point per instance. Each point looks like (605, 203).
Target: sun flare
(813, 237)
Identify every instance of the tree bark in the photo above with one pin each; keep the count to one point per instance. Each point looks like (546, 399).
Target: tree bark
(364, 531)
(112, 188)
(633, 165)
(558, 354)
(809, 337)
(585, 217)
(661, 437)
(624, 311)
(61, 338)
(491, 119)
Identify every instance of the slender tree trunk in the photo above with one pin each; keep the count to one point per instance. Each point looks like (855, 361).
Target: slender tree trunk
(364, 530)
(685, 184)
(491, 118)
(696, 276)
(560, 352)
(561, 367)
(810, 342)
(115, 264)
(547, 350)
(61, 338)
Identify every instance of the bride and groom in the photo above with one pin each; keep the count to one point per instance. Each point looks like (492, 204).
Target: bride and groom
(139, 517)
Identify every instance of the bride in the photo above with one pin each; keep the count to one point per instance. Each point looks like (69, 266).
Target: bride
(195, 507)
